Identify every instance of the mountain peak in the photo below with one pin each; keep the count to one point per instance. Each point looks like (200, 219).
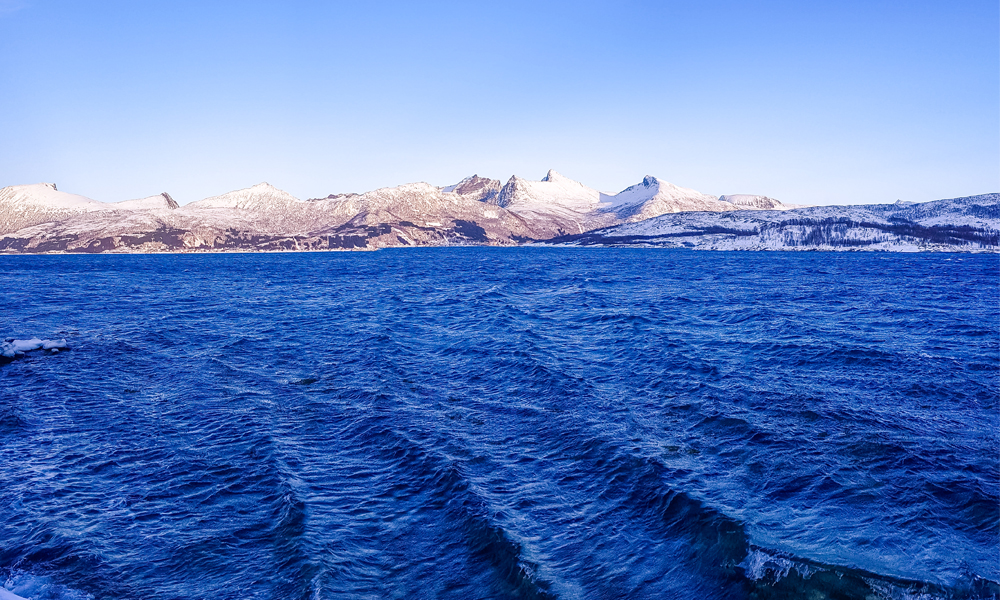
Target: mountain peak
(553, 175)
(475, 187)
(171, 203)
(650, 181)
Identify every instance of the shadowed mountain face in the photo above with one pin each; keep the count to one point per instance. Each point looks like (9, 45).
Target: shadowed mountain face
(475, 211)
(476, 188)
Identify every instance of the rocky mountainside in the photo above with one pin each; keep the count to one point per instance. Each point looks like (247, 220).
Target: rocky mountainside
(476, 188)
(956, 225)
(263, 217)
(25, 205)
(477, 210)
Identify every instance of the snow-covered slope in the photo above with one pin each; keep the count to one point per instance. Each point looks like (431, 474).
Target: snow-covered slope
(572, 207)
(553, 194)
(476, 188)
(752, 202)
(959, 224)
(158, 202)
(653, 197)
(263, 197)
(26, 205)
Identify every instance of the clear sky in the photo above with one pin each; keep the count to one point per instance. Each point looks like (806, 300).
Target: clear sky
(807, 102)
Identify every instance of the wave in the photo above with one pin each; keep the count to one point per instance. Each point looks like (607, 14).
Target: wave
(775, 574)
(449, 491)
(720, 556)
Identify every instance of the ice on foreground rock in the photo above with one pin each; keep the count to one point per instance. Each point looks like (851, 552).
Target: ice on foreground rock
(12, 349)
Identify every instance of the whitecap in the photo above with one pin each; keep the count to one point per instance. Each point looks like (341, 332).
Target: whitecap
(25, 586)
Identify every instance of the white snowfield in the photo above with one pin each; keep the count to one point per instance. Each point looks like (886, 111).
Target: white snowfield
(959, 224)
(12, 349)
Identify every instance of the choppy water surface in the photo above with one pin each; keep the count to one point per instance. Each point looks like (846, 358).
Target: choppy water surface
(489, 423)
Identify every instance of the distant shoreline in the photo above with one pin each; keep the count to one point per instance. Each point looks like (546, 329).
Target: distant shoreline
(540, 245)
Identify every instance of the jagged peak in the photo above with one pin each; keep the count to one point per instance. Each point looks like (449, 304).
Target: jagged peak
(335, 197)
(553, 175)
(647, 182)
(28, 186)
(171, 203)
(473, 182)
(455, 186)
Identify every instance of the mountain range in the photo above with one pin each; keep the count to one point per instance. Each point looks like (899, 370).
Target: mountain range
(475, 211)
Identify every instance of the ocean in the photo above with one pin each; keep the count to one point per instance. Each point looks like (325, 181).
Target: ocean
(502, 423)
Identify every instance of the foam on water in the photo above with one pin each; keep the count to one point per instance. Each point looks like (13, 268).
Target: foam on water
(24, 586)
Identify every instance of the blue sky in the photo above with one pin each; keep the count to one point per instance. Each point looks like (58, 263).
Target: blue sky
(808, 102)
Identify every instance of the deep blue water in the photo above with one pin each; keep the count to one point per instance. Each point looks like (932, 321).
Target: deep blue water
(502, 423)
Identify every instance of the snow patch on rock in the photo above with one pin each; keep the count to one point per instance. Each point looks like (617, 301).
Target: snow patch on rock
(12, 349)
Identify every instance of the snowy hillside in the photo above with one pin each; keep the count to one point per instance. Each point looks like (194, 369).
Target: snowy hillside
(959, 224)
(653, 197)
(476, 188)
(26, 205)
(751, 202)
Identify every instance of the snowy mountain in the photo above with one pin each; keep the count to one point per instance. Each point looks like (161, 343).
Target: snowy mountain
(476, 188)
(263, 217)
(26, 205)
(653, 197)
(571, 207)
(960, 224)
(477, 210)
